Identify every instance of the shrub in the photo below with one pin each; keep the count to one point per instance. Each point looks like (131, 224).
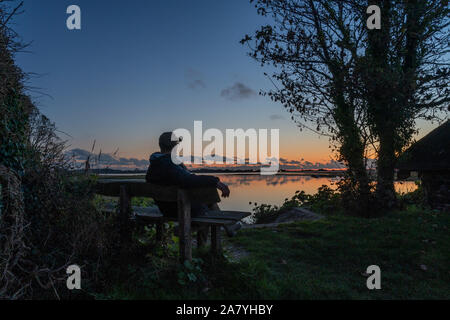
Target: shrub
(13, 131)
(416, 197)
(325, 201)
(47, 218)
(264, 213)
(57, 223)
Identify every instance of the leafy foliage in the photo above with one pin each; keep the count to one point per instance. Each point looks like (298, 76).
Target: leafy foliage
(325, 201)
(13, 131)
(191, 272)
(416, 198)
(48, 219)
(363, 88)
(405, 73)
(60, 224)
(328, 201)
(315, 47)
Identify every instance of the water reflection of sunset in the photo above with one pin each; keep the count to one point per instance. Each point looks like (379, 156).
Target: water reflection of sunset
(274, 189)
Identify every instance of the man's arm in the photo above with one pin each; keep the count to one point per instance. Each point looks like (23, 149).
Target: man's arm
(224, 189)
(185, 179)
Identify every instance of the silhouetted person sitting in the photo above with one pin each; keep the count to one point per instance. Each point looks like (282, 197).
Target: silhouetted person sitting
(163, 171)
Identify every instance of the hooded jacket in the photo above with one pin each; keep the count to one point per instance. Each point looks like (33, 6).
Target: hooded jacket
(163, 171)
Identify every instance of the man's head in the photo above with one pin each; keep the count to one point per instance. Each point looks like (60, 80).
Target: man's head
(166, 143)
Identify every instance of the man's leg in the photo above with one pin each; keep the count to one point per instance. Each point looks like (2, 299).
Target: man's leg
(199, 210)
(230, 229)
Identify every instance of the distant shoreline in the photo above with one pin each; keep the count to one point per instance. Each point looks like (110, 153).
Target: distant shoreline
(313, 173)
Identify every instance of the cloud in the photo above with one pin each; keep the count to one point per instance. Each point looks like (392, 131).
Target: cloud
(194, 79)
(196, 83)
(237, 92)
(106, 160)
(276, 117)
(307, 165)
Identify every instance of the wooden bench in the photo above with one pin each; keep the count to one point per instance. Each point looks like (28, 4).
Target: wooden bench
(127, 189)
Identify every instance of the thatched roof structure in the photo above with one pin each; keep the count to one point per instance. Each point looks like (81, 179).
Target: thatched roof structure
(431, 153)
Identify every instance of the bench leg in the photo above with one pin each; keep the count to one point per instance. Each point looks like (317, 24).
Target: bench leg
(184, 220)
(125, 215)
(159, 231)
(216, 241)
(202, 237)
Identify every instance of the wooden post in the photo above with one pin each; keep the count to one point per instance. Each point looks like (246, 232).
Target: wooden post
(160, 231)
(125, 214)
(184, 221)
(202, 237)
(216, 246)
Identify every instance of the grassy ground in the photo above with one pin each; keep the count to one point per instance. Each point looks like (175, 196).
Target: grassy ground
(325, 259)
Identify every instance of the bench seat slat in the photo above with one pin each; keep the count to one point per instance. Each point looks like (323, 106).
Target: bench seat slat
(228, 215)
(202, 221)
(147, 211)
(214, 214)
(153, 213)
(209, 221)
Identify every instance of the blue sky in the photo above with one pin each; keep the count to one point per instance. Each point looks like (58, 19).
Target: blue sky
(141, 67)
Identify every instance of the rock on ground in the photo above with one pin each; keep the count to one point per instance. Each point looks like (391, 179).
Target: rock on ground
(292, 215)
(297, 214)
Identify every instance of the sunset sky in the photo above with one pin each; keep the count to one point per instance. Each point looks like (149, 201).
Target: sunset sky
(138, 68)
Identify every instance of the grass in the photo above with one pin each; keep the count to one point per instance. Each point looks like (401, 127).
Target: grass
(324, 259)
(327, 259)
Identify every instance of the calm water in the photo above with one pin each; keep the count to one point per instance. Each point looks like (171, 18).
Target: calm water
(274, 189)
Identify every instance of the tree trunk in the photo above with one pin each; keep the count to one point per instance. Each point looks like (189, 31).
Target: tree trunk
(352, 152)
(385, 192)
(382, 105)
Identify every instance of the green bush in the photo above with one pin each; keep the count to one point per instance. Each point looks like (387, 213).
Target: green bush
(328, 201)
(325, 201)
(60, 224)
(13, 131)
(264, 213)
(417, 197)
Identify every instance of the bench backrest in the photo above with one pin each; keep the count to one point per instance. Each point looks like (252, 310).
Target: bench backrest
(139, 188)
